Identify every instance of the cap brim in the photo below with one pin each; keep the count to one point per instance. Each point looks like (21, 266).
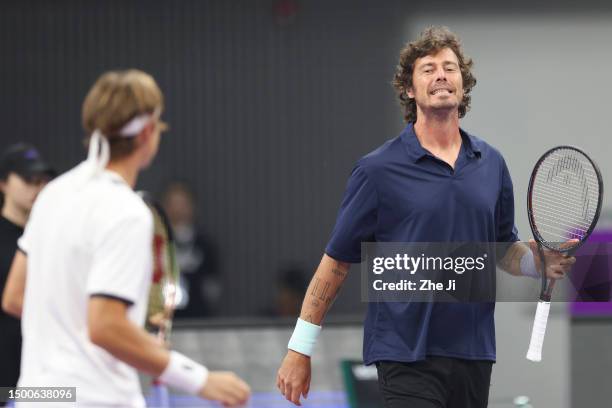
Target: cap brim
(37, 168)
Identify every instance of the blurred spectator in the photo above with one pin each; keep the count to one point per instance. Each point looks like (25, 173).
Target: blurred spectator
(200, 288)
(23, 173)
(291, 290)
(291, 285)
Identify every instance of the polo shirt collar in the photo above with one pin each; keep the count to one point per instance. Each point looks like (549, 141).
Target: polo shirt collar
(470, 144)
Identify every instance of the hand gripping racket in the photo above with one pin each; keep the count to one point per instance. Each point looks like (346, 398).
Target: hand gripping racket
(164, 287)
(563, 203)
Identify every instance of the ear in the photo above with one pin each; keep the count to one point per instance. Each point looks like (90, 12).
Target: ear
(2, 186)
(145, 133)
(410, 93)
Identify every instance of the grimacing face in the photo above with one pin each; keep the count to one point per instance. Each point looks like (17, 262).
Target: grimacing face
(437, 83)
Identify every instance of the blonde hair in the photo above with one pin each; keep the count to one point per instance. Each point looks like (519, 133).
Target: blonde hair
(116, 98)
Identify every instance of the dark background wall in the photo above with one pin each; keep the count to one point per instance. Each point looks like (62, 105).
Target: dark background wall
(266, 119)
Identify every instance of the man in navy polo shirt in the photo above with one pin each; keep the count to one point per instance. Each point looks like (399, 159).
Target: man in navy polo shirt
(432, 183)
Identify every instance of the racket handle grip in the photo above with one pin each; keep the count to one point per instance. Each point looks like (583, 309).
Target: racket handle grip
(539, 330)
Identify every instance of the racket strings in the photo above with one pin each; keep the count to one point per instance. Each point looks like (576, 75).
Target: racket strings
(584, 214)
(565, 196)
(544, 193)
(164, 289)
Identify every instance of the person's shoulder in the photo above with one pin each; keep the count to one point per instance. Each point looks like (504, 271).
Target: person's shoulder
(381, 156)
(124, 210)
(128, 203)
(486, 150)
(115, 201)
(133, 204)
(56, 188)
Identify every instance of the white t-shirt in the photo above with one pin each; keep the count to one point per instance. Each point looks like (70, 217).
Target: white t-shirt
(83, 239)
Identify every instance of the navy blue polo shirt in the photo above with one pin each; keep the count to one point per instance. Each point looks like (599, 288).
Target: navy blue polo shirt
(402, 193)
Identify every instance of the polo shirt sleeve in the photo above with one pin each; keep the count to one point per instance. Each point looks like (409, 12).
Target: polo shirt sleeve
(506, 229)
(122, 258)
(357, 218)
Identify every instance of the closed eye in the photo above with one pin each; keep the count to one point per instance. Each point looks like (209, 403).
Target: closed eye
(451, 67)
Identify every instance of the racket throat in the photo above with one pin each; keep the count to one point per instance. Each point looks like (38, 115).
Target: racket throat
(545, 297)
(547, 289)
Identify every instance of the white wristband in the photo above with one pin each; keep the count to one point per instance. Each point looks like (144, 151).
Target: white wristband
(528, 266)
(184, 374)
(304, 337)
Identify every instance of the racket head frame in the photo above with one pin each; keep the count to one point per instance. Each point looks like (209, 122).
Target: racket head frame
(534, 229)
(548, 284)
(163, 330)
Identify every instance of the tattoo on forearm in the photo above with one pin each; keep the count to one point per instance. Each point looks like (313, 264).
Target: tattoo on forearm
(315, 287)
(324, 292)
(339, 272)
(330, 299)
(320, 290)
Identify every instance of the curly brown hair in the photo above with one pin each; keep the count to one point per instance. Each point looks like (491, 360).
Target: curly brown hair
(432, 40)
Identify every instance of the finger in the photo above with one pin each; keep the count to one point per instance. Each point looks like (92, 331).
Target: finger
(239, 398)
(282, 386)
(232, 393)
(241, 391)
(236, 403)
(226, 400)
(287, 392)
(555, 272)
(230, 402)
(245, 390)
(568, 261)
(555, 258)
(306, 389)
(569, 243)
(561, 267)
(295, 395)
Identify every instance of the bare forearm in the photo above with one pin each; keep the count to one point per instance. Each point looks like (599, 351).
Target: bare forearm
(12, 304)
(132, 345)
(511, 262)
(110, 329)
(323, 289)
(12, 298)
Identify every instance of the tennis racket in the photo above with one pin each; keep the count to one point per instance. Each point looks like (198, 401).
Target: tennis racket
(563, 203)
(164, 287)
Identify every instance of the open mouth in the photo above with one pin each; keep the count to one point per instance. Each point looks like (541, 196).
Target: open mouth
(444, 91)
